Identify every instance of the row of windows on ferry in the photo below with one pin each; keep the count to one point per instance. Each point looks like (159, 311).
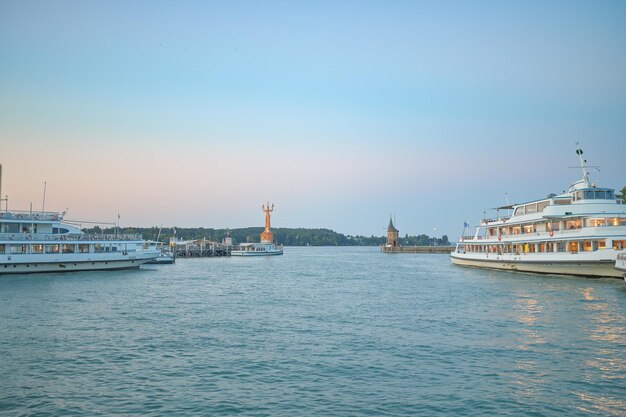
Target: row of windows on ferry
(67, 248)
(30, 228)
(590, 194)
(544, 247)
(570, 224)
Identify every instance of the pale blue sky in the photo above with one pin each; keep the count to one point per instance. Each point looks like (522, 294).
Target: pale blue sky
(194, 113)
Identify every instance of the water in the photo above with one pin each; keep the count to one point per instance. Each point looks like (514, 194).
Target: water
(316, 332)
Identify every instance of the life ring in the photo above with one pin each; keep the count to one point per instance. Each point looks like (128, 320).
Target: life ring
(499, 237)
(551, 233)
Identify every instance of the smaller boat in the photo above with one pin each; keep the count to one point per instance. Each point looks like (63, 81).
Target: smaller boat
(257, 249)
(164, 258)
(620, 264)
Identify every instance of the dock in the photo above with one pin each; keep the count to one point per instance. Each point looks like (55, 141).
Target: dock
(201, 248)
(416, 249)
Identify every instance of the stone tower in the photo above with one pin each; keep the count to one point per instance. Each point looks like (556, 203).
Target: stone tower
(392, 234)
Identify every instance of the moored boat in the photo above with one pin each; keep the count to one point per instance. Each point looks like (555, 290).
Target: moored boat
(42, 242)
(257, 249)
(579, 232)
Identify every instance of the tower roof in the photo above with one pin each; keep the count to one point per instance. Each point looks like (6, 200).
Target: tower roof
(390, 228)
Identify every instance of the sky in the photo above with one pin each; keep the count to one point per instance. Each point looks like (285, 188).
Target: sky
(194, 114)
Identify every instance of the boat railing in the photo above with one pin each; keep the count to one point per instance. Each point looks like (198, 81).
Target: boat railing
(25, 237)
(30, 215)
(495, 219)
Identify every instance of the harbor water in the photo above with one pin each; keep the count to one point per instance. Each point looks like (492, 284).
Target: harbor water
(315, 332)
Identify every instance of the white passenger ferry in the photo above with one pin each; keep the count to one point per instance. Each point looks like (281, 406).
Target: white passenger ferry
(579, 232)
(257, 249)
(42, 242)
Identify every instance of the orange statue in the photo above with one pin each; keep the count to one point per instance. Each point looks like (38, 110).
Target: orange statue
(266, 235)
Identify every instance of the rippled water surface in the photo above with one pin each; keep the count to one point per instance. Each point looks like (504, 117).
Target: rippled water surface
(318, 332)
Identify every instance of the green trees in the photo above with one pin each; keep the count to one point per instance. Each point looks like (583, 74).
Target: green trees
(285, 236)
(622, 195)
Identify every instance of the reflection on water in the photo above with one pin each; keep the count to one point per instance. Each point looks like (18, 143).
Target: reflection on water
(528, 377)
(598, 403)
(608, 341)
(527, 311)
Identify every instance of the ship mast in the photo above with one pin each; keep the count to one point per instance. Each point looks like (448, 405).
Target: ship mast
(583, 166)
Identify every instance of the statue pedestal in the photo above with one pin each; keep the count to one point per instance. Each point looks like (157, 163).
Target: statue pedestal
(267, 236)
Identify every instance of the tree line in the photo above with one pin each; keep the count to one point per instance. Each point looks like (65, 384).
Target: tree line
(282, 235)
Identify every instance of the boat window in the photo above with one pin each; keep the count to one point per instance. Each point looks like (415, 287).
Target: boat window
(602, 244)
(51, 248)
(573, 224)
(542, 205)
(596, 222)
(610, 195)
(2, 248)
(531, 208)
(562, 201)
(98, 248)
(560, 246)
(519, 211)
(36, 248)
(18, 248)
(66, 248)
(619, 244)
(588, 195)
(83, 248)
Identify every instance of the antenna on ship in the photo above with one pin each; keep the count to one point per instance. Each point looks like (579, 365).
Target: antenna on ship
(583, 164)
(6, 197)
(43, 203)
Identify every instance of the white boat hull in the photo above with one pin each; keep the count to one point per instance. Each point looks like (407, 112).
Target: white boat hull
(255, 253)
(20, 264)
(577, 267)
(620, 264)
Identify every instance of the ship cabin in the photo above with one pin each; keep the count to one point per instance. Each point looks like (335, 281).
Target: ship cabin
(26, 232)
(551, 224)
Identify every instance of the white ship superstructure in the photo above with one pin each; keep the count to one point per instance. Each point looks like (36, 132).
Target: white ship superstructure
(579, 232)
(42, 242)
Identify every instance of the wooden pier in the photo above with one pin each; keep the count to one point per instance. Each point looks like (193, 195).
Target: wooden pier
(416, 249)
(201, 248)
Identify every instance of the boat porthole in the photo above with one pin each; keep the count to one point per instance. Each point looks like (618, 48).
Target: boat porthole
(93, 263)
(74, 264)
(27, 266)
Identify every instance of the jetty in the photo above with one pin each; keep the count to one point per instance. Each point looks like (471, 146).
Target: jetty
(416, 249)
(393, 245)
(200, 248)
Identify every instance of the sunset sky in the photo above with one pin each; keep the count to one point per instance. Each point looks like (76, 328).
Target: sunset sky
(196, 113)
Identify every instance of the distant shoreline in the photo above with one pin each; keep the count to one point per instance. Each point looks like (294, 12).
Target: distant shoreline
(285, 236)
